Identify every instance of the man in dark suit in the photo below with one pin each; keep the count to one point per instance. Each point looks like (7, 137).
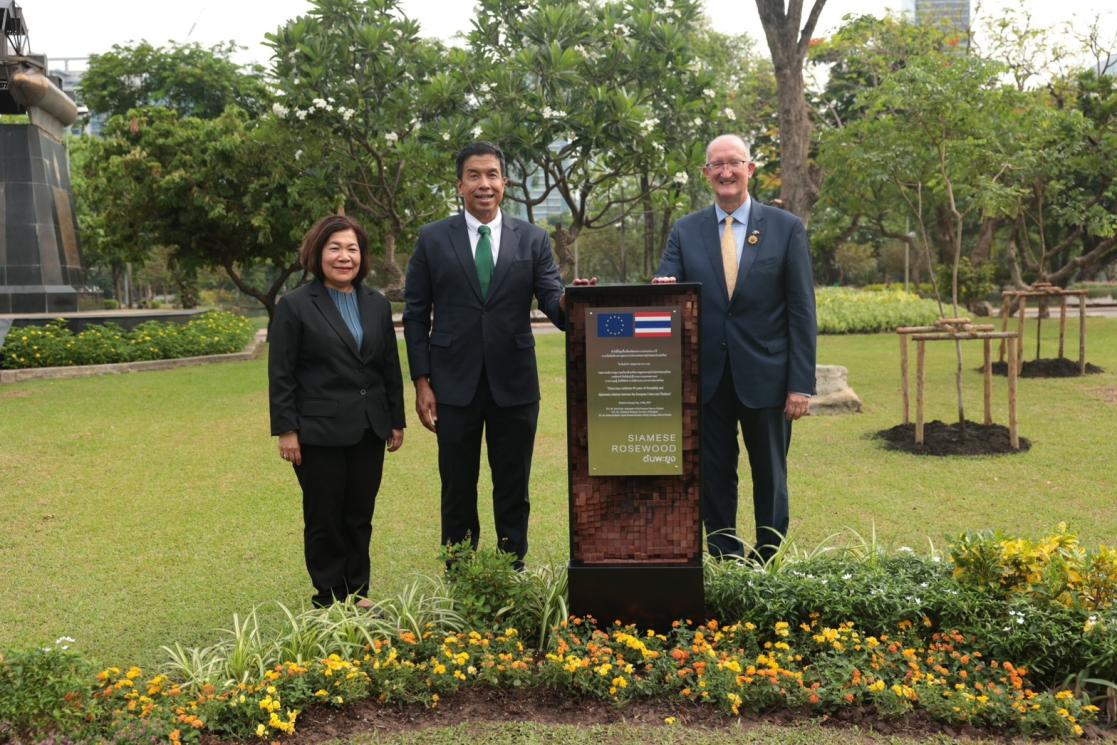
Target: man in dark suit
(474, 366)
(758, 335)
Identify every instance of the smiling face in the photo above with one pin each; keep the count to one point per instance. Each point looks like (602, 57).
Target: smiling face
(728, 169)
(482, 186)
(341, 258)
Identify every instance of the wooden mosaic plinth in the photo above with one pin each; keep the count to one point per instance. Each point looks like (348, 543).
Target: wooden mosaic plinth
(640, 535)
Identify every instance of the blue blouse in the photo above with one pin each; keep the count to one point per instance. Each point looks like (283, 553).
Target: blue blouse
(346, 303)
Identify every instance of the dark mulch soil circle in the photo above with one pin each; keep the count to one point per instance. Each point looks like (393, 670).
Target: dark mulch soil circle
(1046, 368)
(940, 438)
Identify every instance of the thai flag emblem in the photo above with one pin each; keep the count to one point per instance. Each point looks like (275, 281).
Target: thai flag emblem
(653, 324)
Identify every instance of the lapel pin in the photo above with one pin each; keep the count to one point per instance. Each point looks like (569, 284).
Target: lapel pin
(754, 238)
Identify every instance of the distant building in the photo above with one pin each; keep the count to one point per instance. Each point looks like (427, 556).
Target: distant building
(954, 13)
(551, 210)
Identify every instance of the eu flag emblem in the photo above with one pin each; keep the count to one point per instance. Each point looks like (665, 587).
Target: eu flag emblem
(615, 324)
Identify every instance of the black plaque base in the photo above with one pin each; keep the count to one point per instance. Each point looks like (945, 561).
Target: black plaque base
(651, 597)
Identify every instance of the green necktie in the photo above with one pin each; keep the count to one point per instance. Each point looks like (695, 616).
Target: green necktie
(484, 259)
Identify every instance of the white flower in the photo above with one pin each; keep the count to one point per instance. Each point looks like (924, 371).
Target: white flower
(445, 136)
(300, 114)
(905, 550)
(320, 103)
(549, 113)
(709, 93)
(696, 122)
(484, 87)
(476, 131)
(648, 124)
(729, 114)
(279, 110)
(657, 146)
(471, 101)
(391, 137)
(620, 29)
(346, 114)
(298, 154)
(681, 178)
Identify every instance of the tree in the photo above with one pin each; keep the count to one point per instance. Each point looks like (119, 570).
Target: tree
(369, 102)
(788, 43)
(219, 192)
(188, 78)
(942, 127)
(608, 104)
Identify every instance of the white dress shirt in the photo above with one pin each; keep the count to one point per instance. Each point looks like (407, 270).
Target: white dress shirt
(472, 224)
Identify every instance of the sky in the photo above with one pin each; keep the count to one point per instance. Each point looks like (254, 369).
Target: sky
(78, 28)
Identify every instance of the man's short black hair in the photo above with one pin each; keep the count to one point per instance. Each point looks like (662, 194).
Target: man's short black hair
(480, 147)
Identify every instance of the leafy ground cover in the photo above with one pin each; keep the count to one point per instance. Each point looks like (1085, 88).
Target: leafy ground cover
(844, 310)
(147, 509)
(980, 639)
(54, 345)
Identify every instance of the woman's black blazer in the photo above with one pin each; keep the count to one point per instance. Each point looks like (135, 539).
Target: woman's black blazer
(320, 384)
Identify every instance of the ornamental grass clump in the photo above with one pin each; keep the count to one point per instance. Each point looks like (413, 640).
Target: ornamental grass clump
(54, 345)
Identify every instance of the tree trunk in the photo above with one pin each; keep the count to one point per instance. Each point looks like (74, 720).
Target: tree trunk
(563, 240)
(788, 44)
(649, 225)
(395, 276)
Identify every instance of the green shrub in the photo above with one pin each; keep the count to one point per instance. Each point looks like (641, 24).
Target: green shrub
(846, 311)
(856, 263)
(974, 282)
(111, 304)
(44, 690)
(54, 345)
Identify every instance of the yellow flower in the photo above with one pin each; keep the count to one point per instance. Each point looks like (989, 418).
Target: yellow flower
(669, 721)
(261, 730)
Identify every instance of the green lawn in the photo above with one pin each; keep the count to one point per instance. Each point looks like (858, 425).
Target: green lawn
(148, 508)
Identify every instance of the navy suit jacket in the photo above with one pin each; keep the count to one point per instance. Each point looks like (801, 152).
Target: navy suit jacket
(319, 383)
(469, 333)
(767, 330)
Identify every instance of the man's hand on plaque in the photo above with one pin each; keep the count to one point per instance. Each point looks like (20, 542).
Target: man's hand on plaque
(664, 280)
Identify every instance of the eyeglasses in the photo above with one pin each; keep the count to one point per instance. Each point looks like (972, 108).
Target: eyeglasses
(733, 165)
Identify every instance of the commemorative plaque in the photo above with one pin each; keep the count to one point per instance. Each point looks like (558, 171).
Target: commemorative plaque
(633, 404)
(634, 391)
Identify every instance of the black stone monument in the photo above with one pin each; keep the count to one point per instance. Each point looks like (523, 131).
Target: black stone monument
(40, 258)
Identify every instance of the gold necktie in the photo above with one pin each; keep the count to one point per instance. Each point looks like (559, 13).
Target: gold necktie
(729, 255)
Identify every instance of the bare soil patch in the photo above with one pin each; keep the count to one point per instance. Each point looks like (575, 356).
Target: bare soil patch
(942, 439)
(1059, 367)
(319, 725)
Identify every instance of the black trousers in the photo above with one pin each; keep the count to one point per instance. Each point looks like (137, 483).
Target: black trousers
(339, 493)
(510, 436)
(767, 436)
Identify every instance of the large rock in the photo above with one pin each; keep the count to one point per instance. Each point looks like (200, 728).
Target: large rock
(833, 396)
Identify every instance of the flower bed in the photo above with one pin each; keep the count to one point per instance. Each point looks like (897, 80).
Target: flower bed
(934, 638)
(54, 345)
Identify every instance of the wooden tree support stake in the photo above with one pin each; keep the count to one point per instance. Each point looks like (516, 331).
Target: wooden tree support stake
(923, 334)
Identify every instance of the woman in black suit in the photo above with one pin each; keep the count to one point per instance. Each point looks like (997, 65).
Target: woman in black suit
(336, 396)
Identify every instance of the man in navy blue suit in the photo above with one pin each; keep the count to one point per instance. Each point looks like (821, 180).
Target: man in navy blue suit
(470, 285)
(758, 335)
